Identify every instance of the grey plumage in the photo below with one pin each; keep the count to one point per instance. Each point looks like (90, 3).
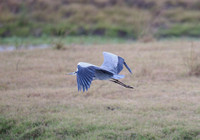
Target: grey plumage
(109, 70)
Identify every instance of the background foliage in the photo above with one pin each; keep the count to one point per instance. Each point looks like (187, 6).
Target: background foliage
(117, 18)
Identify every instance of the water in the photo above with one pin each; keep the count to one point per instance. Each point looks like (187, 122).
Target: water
(4, 48)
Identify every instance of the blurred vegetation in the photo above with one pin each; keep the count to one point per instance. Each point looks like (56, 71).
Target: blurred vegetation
(47, 128)
(115, 18)
(56, 41)
(192, 62)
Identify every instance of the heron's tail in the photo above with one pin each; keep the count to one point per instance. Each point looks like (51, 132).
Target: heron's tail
(118, 76)
(120, 83)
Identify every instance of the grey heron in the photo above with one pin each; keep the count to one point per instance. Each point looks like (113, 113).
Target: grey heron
(109, 70)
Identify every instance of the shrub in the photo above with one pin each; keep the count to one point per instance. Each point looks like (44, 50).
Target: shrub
(192, 62)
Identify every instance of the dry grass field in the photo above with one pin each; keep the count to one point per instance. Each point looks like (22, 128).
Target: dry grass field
(38, 101)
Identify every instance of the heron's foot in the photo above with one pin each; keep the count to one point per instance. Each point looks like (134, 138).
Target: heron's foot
(120, 83)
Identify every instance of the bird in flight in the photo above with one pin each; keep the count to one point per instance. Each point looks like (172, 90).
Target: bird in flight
(109, 70)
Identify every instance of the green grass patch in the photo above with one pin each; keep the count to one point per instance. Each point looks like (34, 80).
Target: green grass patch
(128, 19)
(68, 40)
(178, 30)
(181, 15)
(23, 129)
(45, 128)
(181, 133)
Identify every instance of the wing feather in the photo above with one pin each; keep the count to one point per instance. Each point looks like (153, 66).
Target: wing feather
(113, 63)
(78, 83)
(85, 83)
(110, 62)
(87, 80)
(82, 84)
(84, 77)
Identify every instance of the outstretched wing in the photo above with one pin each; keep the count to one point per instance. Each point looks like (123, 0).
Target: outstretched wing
(113, 63)
(84, 77)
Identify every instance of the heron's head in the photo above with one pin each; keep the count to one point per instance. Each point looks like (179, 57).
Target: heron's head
(72, 73)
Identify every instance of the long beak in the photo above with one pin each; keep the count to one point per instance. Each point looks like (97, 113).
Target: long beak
(71, 73)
